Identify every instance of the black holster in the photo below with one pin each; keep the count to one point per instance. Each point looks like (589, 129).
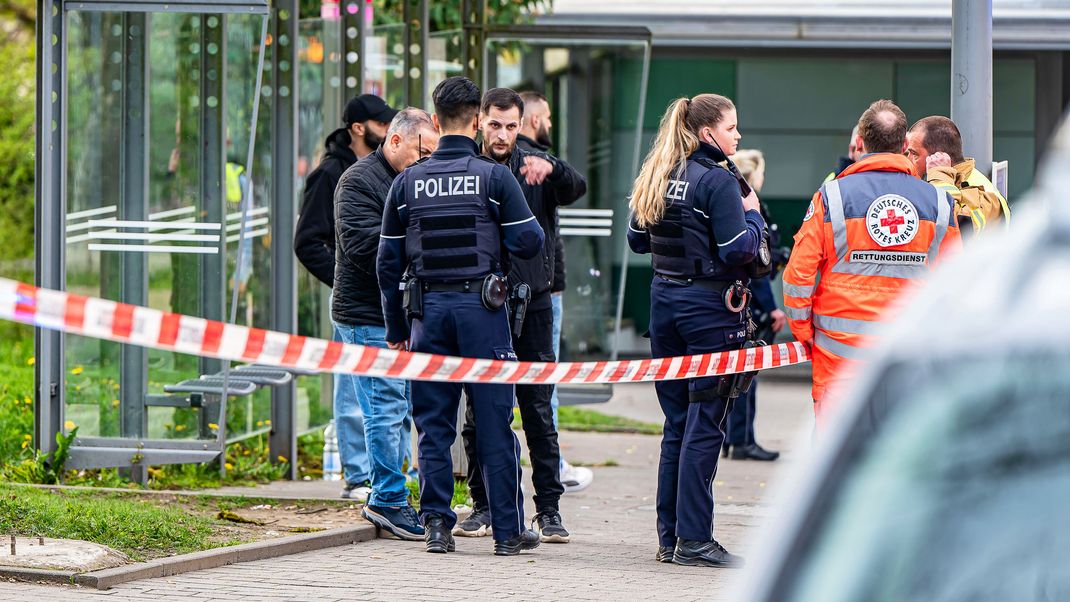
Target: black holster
(412, 299)
(518, 308)
(763, 262)
(732, 386)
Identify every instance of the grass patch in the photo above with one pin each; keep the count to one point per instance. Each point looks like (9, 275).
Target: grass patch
(572, 418)
(137, 527)
(461, 494)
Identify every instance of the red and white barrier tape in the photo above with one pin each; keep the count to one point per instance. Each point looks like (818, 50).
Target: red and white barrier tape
(103, 319)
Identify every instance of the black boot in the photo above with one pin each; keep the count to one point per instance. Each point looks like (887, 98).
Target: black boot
(754, 452)
(527, 540)
(704, 553)
(437, 536)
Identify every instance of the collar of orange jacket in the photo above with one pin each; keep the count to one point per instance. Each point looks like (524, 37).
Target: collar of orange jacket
(880, 162)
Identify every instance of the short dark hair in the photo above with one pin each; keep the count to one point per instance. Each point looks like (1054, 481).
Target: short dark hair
(883, 127)
(940, 135)
(502, 98)
(456, 101)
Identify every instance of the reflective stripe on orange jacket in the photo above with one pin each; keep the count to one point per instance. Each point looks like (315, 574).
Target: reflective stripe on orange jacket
(867, 234)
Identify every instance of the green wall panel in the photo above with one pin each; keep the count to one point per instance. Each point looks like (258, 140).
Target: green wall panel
(809, 94)
(671, 78)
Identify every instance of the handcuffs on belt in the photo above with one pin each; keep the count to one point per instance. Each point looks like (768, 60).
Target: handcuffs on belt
(736, 297)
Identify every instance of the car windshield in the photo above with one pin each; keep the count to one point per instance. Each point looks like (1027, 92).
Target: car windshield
(963, 494)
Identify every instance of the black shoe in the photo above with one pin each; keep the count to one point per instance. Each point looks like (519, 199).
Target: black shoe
(476, 525)
(754, 452)
(437, 536)
(727, 447)
(527, 540)
(704, 553)
(664, 554)
(550, 528)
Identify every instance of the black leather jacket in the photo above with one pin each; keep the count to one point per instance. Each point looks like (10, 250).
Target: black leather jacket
(562, 187)
(358, 218)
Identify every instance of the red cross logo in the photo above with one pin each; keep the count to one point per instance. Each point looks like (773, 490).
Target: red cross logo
(893, 221)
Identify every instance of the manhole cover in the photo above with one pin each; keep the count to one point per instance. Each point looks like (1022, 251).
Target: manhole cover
(59, 554)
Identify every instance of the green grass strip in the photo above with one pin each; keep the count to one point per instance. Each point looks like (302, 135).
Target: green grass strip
(137, 527)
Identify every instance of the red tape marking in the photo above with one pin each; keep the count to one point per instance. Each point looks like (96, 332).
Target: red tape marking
(121, 318)
(331, 355)
(293, 350)
(74, 314)
(213, 336)
(122, 322)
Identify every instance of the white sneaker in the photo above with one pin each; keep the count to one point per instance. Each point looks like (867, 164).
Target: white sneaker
(575, 478)
(357, 492)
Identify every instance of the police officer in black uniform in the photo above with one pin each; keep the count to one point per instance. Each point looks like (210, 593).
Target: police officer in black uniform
(689, 212)
(446, 221)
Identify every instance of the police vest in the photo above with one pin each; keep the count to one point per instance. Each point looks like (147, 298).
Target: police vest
(680, 241)
(451, 235)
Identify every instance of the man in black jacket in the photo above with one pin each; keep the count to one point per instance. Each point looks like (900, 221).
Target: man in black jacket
(535, 138)
(547, 184)
(366, 120)
(357, 313)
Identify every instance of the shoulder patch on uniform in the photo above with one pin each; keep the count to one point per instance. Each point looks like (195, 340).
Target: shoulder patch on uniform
(892, 220)
(809, 212)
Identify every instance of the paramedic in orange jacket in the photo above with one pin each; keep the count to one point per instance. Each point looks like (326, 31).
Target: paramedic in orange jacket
(866, 235)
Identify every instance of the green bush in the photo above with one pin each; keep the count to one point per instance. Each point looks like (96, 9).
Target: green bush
(17, 147)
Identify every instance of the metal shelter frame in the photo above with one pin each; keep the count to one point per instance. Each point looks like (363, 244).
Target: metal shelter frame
(133, 451)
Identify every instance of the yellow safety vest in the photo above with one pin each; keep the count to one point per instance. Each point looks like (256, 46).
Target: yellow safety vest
(234, 189)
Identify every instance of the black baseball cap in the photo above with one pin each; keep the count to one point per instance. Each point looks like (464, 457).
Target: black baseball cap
(365, 107)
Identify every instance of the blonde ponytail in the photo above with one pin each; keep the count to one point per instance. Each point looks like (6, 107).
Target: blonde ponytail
(677, 138)
(672, 145)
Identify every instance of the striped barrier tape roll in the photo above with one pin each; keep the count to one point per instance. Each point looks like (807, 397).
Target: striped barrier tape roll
(103, 319)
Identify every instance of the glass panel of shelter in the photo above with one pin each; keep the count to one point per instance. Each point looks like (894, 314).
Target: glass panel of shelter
(157, 133)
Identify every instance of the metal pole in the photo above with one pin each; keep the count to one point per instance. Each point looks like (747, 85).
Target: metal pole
(971, 78)
(49, 209)
(474, 23)
(416, 44)
(636, 154)
(352, 36)
(134, 166)
(283, 438)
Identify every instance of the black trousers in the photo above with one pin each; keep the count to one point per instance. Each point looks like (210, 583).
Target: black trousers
(535, 344)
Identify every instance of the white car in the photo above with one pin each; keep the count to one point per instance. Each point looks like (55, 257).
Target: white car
(946, 477)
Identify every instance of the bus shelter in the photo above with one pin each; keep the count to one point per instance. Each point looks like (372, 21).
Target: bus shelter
(173, 139)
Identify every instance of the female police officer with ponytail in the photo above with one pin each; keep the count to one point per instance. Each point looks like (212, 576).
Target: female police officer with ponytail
(704, 231)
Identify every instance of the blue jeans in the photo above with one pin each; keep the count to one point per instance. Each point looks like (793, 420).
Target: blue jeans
(349, 426)
(557, 299)
(387, 410)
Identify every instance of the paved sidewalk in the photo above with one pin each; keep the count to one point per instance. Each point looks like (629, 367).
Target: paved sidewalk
(612, 525)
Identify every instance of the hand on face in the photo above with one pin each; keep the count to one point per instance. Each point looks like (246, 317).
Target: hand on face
(937, 160)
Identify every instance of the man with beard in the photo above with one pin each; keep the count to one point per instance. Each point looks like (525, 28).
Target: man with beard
(547, 184)
(366, 118)
(535, 137)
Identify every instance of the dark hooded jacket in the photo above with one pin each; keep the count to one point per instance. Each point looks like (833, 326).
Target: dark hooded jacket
(314, 236)
(562, 187)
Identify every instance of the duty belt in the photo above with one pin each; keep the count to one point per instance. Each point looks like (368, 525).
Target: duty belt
(735, 294)
(706, 283)
(467, 286)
